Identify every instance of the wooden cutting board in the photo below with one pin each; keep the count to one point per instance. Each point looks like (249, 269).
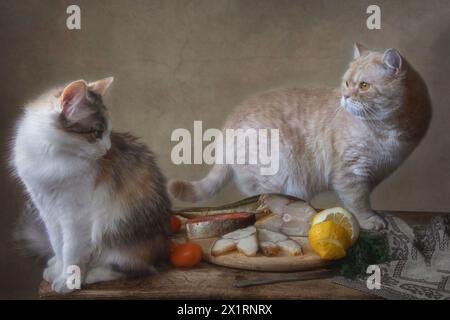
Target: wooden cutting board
(309, 259)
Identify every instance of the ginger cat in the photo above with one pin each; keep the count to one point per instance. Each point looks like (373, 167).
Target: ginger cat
(347, 139)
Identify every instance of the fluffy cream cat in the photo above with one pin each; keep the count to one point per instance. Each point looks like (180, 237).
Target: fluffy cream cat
(347, 139)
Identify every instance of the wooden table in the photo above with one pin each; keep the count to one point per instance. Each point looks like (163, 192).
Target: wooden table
(213, 282)
(208, 282)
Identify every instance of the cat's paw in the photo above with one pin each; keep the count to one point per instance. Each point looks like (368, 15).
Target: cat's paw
(373, 223)
(49, 274)
(59, 285)
(52, 271)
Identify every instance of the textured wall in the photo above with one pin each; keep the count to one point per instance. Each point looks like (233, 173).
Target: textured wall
(179, 61)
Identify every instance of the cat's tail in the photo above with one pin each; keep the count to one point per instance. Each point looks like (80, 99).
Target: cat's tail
(203, 189)
(30, 233)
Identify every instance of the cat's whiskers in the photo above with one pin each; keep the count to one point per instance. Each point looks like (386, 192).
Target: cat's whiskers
(373, 116)
(366, 113)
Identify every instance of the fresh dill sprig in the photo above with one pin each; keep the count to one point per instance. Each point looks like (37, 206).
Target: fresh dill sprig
(371, 248)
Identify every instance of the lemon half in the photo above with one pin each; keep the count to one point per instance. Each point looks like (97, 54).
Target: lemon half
(329, 240)
(340, 217)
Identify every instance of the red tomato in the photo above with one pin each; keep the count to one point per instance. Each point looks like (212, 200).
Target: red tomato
(173, 245)
(175, 224)
(186, 255)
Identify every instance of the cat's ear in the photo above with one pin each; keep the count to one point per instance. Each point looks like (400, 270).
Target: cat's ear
(72, 100)
(100, 86)
(392, 60)
(73, 93)
(359, 50)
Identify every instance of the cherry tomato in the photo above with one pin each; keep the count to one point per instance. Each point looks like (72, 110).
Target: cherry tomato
(175, 224)
(173, 245)
(186, 255)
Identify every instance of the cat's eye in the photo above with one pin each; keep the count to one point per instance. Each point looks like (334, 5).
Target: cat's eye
(98, 130)
(364, 86)
(346, 84)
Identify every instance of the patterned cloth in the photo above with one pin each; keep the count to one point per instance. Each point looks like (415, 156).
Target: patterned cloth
(420, 265)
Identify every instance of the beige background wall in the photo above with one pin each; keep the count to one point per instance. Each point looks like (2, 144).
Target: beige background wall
(179, 61)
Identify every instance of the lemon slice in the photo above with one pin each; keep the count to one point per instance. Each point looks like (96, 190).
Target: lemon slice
(341, 217)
